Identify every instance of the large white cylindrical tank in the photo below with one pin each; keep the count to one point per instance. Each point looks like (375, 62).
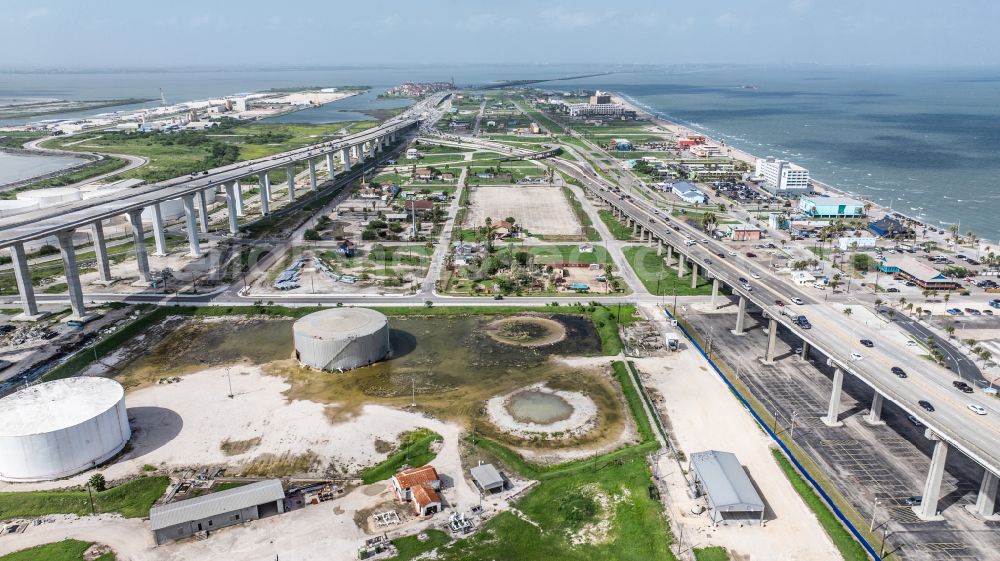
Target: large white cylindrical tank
(51, 196)
(60, 428)
(92, 192)
(170, 209)
(341, 338)
(16, 206)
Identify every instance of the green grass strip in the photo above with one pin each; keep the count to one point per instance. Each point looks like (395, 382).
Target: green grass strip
(131, 499)
(66, 550)
(414, 451)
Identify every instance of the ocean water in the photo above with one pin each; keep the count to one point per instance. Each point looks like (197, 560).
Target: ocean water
(16, 167)
(926, 142)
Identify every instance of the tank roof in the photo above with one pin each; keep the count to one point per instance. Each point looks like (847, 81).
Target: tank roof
(57, 405)
(340, 321)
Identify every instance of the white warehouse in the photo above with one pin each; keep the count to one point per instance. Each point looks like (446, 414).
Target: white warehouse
(341, 338)
(61, 428)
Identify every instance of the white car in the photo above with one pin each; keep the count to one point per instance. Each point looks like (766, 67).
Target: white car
(911, 343)
(856, 356)
(732, 253)
(754, 275)
(797, 301)
(977, 409)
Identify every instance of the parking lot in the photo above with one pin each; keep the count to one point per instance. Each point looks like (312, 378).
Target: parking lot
(887, 462)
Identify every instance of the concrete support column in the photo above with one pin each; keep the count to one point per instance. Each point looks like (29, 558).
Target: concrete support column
(345, 158)
(101, 251)
(139, 241)
(805, 351)
(670, 253)
(741, 315)
(72, 273)
(715, 292)
(371, 148)
(874, 416)
(203, 210)
(659, 247)
(290, 169)
(330, 166)
(832, 418)
(986, 501)
(312, 175)
(681, 266)
(22, 275)
(635, 228)
(158, 234)
(192, 225)
(238, 191)
(694, 275)
(928, 507)
(772, 339)
(380, 143)
(234, 225)
(265, 194)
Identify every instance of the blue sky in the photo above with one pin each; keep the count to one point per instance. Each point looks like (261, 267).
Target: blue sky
(120, 33)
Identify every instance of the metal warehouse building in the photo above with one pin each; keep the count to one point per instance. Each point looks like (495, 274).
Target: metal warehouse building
(341, 338)
(218, 510)
(731, 496)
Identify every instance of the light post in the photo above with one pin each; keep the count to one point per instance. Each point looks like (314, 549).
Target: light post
(871, 528)
(230, 378)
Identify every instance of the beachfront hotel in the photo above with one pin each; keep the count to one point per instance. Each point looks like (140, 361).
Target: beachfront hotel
(782, 177)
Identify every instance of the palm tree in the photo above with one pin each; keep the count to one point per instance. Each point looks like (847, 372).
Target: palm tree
(947, 296)
(950, 330)
(954, 232)
(902, 302)
(848, 311)
(927, 295)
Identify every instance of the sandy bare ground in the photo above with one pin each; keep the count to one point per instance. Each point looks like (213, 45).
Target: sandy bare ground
(705, 416)
(580, 421)
(540, 210)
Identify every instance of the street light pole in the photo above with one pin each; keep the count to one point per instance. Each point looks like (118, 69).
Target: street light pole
(871, 528)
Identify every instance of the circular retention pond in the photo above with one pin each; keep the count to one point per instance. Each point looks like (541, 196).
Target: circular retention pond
(543, 408)
(526, 331)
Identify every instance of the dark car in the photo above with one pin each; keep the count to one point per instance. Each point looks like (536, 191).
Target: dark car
(721, 255)
(926, 405)
(498, 297)
(867, 343)
(751, 254)
(898, 371)
(893, 289)
(779, 303)
(914, 500)
(744, 280)
(965, 388)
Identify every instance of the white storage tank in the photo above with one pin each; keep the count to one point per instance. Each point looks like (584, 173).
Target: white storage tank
(341, 338)
(60, 428)
(51, 195)
(12, 207)
(170, 209)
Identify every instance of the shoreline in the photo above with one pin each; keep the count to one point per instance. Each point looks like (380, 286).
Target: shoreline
(742, 155)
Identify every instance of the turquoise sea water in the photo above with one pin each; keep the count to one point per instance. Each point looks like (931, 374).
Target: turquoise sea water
(925, 141)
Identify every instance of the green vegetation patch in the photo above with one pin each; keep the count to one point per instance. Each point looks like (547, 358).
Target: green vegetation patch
(409, 547)
(619, 230)
(414, 451)
(659, 278)
(66, 550)
(568, 254)
(131, 499)
(715, 553)
(581, 216)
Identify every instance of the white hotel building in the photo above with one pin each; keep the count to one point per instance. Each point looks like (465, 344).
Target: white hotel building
(782, 177)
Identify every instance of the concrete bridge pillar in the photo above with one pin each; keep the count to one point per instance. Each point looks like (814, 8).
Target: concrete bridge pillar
(238, 191)
(345, 158)
(380, 144)
(694, 275)
(832, 418)
(874, 416)
(234, 225)
(741, 315)
(986, 501)
(313, 186)
(659, 247)
(329, 165)
(139, 241)
(715, 292)
(805, 351)
(681, 265)
(670, 253)
(101, 251)
(772, 339)
(203, 210)
(928, 507)
(359, 152)
(72, 273)
(158, 231)
(635, 228)
(192, 225)
(29, 306)
(371, 148)
(265, 193)
(290, 169)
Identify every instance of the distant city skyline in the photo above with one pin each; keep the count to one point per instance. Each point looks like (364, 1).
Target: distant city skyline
(111, 33)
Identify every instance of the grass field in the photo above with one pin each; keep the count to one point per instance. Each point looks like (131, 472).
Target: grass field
(618, 230)
(842, 539)
(409, 547)
(582, 217)
(414, 451)
(654, 273)
(131, 499)
(568, 254)
(715, 553)
(66, 550)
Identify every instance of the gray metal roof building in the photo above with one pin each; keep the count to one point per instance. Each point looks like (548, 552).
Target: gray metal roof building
(488, 478)
(217, 510)
(731, 495)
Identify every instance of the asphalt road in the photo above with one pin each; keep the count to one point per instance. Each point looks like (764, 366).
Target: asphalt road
(954, 359)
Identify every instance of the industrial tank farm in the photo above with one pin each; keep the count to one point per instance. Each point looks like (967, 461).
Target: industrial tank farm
(60, 428)
(341, 338)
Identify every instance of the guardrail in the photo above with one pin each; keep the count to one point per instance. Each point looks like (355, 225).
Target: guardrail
(784, 448)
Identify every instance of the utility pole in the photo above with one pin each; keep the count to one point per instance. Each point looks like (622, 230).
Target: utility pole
(230, 378)
(91, 493)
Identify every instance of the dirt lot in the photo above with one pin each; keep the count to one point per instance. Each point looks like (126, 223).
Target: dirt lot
(705, 416)
(540, 210)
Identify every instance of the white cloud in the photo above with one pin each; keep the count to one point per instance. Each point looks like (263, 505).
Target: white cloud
(37, 13)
